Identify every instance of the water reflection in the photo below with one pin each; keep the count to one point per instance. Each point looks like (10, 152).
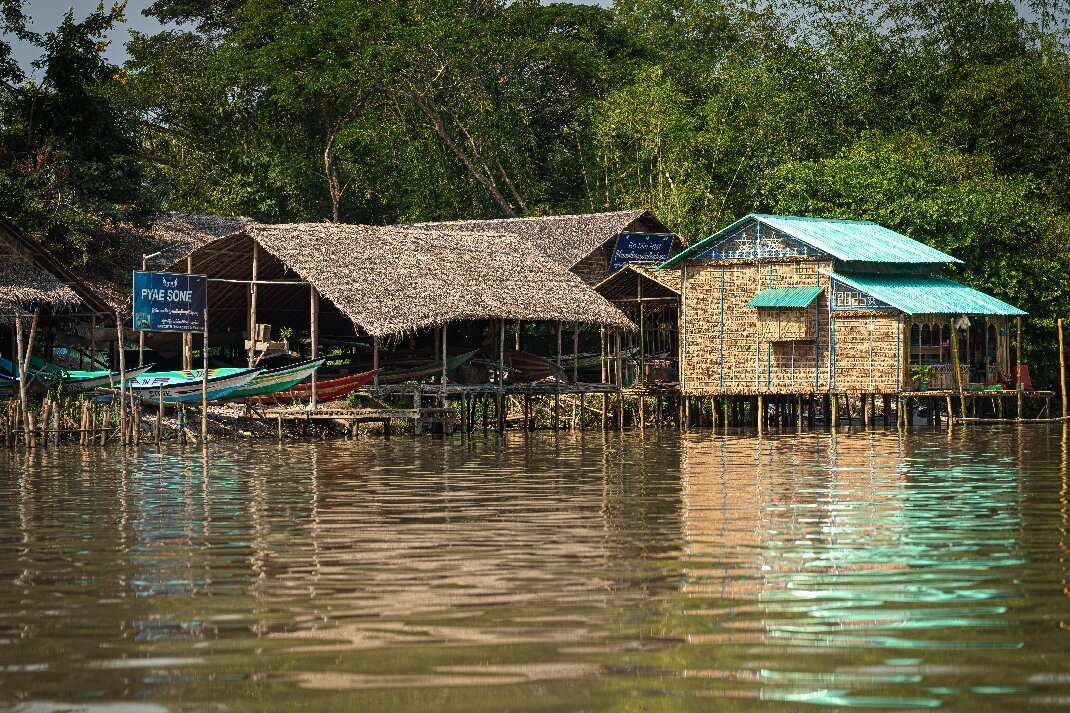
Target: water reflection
(602, 571)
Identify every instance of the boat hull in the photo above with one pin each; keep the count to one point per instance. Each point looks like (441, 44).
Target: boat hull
(325, 390)
(270, 381)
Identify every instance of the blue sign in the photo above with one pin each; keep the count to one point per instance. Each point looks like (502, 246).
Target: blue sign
(169, 302)
(641, 247)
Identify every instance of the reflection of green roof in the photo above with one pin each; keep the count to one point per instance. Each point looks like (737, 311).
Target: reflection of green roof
(786, 297)
(920, 294)
(846, 240)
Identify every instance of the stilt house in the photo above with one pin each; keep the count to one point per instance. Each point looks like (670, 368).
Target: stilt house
(790, 305)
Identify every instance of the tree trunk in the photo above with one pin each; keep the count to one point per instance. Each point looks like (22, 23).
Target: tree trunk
(484, 177)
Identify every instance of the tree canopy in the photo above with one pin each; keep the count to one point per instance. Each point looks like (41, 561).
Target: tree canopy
(944, 119)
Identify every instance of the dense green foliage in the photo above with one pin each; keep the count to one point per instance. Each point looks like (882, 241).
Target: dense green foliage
(944, 119)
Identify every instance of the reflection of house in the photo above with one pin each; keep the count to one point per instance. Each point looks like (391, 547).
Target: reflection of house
(789, 305)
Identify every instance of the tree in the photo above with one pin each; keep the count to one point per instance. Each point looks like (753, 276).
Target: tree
(72, 167)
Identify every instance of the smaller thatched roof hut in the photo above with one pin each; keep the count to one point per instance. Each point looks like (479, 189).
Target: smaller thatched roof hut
(390, 280)
(169, 239)
(582, 243)
(30, 277)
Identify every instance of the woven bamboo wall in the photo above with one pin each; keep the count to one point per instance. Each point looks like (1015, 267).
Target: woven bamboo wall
(595, 267)
(735, 355)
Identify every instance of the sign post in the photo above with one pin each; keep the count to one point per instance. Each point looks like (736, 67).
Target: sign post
(174, 302)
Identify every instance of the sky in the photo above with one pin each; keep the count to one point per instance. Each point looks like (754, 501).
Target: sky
(47, 14)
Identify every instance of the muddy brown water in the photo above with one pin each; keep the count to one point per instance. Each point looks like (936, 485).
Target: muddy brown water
(541, 572)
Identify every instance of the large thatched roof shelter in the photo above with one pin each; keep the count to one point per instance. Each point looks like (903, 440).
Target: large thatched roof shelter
(390, 280)
(30, 277)
(583, 243)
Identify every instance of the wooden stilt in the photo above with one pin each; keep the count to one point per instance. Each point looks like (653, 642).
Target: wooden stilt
(1019, 387)
(314, 337)
(141, 333)
(204, 383)
(1062, 369)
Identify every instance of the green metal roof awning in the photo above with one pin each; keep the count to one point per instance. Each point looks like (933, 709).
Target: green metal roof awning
(845, 240)
(786, 297)
(922, 294)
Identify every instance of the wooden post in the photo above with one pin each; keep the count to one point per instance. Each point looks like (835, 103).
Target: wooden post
(1018, 358)
(314, 334)
(501, 376)
(93, 342)
(516, 345)
(204, 382)
(444, 375)
(159, 418)
(251, 349)
(1062, 368)
(955, 364)
(122, 379)
(642, 336)
(141, 332)
(22, 358)
(557, 378)
(187, 337)
(761, 414)
(375, 361)
(575, 352)
(833, 415)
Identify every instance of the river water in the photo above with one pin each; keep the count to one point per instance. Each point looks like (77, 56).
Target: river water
(567, 572)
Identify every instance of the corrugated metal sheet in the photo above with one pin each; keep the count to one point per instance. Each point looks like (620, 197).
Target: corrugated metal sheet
(846, 240)
(786, 297)
(919, 294)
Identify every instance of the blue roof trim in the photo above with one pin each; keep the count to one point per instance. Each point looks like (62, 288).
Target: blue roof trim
(859, 241)
(924, 294)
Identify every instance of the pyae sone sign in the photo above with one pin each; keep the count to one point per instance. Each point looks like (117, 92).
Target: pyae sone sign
(169, 302)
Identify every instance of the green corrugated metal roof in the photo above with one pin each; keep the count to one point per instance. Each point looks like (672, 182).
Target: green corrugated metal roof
(786, 297)
(846, 240)
(921, 294)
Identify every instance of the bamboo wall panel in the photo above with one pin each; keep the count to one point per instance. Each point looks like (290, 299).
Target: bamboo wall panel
(736, 354)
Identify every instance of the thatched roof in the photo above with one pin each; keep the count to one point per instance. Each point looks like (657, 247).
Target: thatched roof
(24, 285)
(173, 236)
(567, 239)
(30, 276)
(623, 285)
(170, 238)
(390, 280)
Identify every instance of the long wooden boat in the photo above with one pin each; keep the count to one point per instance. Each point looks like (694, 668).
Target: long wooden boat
(325, 390)
(270, 381)
(184, 387)
(72, 379)
(390, 376)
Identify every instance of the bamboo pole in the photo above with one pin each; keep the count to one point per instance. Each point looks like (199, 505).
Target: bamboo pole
(141, 333)
(187, 337)
(204, 382)
(958, 369)
(122, 379)
(557, 378)
(501, 376)
(1018, 357)
(251, 349)
(23, 358)
(444, 376)
(1062, 369)
(375, 361)
(575, 352)
(314, 335)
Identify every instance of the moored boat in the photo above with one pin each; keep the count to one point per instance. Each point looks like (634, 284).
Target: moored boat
(185, 386)
(325, 390)
(280, 378)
